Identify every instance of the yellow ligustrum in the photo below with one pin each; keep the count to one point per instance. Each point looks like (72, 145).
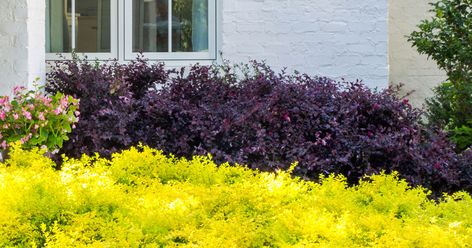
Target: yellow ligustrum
(141, 198)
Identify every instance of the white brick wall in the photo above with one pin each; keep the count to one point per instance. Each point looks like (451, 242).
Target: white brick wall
(21, 43)
(336, 38)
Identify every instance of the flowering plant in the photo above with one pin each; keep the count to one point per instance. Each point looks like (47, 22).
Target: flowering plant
(36, 119)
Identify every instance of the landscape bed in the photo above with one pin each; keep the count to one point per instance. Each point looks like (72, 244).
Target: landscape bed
(142, 198)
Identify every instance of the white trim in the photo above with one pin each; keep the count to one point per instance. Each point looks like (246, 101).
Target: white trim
(94, 56)
(73, 23)
(169, 26)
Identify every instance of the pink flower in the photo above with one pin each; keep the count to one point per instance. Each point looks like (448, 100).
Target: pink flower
(26, 138)
(15, 116)
(6, 126)
(2, 115)
(18, 89)
(73, 126)
(58, 111)
(4, 100)
(41, 116)
(46, 101)
(64, 102)
(7, 107)
(4, 144)
(77, 113)
(27, 114)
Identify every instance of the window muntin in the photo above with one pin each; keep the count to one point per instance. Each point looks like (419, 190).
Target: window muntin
(119, 29)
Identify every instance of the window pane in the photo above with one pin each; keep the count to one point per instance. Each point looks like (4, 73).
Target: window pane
(92, 26)
(150, 25)
(189, 25)
(58, 32)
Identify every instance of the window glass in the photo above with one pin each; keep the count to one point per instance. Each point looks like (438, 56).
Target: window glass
(87, 30)
(93, 26)
(58, 33)
(191, 18)
(150, 26)
(188, 31)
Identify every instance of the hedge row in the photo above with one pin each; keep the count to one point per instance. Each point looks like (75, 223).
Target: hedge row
(252, 115)
(141, 198)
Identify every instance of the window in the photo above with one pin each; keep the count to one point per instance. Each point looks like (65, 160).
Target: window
(120, 29)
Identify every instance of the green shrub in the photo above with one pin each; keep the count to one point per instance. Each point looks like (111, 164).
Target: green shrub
(141, 198)
(447, 39)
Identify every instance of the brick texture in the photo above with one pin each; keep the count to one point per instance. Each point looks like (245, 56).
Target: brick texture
(336, 38)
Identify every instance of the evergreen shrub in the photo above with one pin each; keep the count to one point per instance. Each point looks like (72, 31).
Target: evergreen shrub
(249, 114)
(142, 198)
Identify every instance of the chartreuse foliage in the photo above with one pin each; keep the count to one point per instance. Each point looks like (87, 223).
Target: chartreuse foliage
(141, 198)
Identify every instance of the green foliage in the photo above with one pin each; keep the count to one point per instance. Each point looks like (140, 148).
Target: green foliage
(141, 198)
(447, 39)
(36, 119)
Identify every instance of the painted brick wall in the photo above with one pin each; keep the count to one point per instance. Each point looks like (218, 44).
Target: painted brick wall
(336, 38)
(21, 43)
(13, 55)
(416, 72)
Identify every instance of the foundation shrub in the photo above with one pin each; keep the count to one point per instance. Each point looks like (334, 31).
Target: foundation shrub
(141, 197)
(108, 93)
(248, 114)
(269, 120)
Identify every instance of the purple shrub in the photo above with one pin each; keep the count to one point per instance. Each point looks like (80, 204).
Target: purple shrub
(259, 118)
(108, 94)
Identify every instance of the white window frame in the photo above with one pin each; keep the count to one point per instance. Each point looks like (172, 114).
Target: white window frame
(169, 56)
(93, 56)
(121, 38)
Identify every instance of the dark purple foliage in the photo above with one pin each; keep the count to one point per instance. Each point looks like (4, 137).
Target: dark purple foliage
(108, 95)
(264, 119)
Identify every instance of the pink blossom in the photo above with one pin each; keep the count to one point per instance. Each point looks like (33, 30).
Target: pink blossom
(77, 113)
(36, 126)
(46, 101)
(4, 100)
(41, 116)
(73, 126)
(26, 138)
(64, 102)
(7, 107)
(4, 144)
(18, 89)
(58, 111)
(2, 115)
(6, 126)
(15, 116)
(27, 114)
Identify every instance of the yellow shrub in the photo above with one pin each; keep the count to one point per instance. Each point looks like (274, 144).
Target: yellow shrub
(141, 198)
